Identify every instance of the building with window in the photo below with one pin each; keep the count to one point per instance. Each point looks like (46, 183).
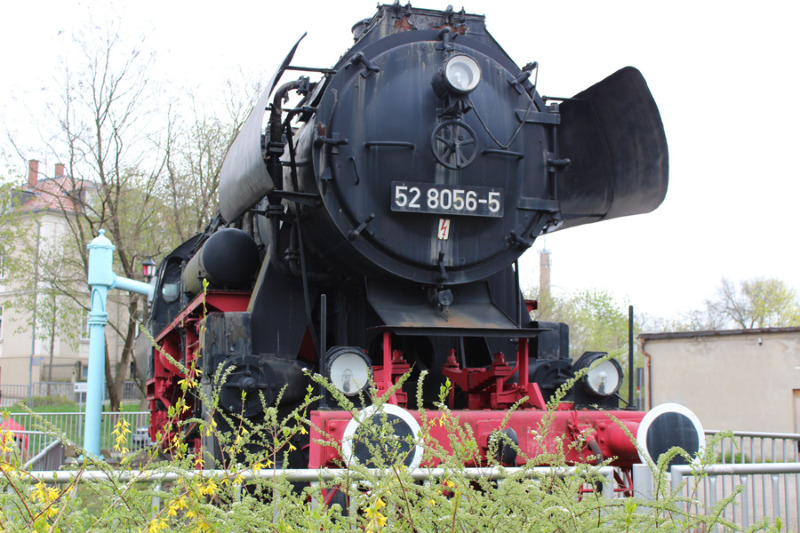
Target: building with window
(40, 328)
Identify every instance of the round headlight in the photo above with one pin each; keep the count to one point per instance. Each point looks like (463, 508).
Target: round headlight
(348, 369)
(603, 378)
(462, 74)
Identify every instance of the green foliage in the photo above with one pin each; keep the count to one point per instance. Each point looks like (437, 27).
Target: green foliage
(248, 491)
(756, 303)
(597, 322)
(752, 303)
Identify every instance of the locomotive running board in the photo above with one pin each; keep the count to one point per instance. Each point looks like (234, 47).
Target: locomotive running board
(472, 313)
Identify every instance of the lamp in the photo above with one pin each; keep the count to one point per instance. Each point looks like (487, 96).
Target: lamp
(149, 268)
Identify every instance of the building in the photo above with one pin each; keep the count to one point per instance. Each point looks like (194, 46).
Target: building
(43, 334)
(738, 380)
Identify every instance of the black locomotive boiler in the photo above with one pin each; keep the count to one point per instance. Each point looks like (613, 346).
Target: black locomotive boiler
(372, 228)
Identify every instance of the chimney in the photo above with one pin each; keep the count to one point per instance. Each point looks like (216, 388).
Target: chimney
(59, 170)
(33, 173)
(544, 272)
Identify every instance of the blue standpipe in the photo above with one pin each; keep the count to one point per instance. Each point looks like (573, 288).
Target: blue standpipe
(101, 280)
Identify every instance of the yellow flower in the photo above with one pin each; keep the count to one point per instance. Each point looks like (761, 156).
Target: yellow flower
(291, 447)
(303, 430)
(156, 525)
(376, 518)
(176, 506)
(209, 489)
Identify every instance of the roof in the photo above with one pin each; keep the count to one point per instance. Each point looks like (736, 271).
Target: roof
(52, 194)
(716, 333)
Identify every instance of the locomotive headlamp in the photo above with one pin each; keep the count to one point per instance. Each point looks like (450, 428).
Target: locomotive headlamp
(459, 75)
(348, 369)
(462, 74)
(604, 377)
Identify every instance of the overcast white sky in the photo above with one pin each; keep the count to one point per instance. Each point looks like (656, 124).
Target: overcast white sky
(724, 75)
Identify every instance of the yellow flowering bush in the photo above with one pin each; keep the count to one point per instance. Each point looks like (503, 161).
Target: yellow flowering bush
(182, 491)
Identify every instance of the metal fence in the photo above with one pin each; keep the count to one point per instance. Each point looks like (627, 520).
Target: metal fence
(41, 428)
(757, 471)
(45, 393)
(753, 492)
(751, 447)
(49, 459)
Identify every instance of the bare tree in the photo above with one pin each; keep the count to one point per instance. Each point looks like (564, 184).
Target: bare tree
(755, 303)
(132, 167)
(107, 136)
(195, 151)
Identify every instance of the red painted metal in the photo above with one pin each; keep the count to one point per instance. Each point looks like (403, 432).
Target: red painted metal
(579, 436)
(180, 342)
(486, 388)
(394, 366)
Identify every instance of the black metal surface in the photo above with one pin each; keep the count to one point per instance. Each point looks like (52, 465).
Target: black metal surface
(243, 179)
(228, 259)
(397, 448)
(394, 111)
(471, 310)
(550, 375)
(615, 141)
(672, 429)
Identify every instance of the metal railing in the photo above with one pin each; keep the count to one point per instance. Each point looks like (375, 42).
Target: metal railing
(45, 393)
(51, 458)
(758, 491)
(752, 447)
(38, 428)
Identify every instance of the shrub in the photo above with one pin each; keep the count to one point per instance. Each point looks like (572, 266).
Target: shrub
(248, 491)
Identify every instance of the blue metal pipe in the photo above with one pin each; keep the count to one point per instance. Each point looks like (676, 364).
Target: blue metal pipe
(101, 278)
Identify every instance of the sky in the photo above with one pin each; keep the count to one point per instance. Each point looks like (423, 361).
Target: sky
(723, 74)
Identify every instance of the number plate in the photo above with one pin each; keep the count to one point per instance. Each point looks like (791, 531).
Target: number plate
(409, 197)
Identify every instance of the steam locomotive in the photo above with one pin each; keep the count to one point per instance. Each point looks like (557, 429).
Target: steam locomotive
(372, 229)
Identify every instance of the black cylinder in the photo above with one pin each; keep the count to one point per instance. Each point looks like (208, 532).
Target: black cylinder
(228, 259)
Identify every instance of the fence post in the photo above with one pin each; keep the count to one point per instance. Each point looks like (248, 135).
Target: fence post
(643, 481)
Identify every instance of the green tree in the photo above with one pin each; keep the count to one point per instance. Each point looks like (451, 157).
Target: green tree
(597, 323)
(754, 303)
(133, 168)
(596, 320)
